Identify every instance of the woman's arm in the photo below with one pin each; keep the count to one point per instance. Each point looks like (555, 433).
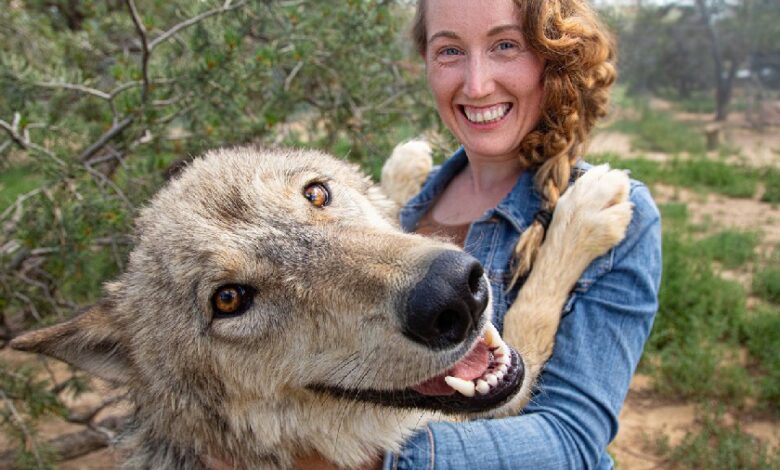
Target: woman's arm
(573, 417)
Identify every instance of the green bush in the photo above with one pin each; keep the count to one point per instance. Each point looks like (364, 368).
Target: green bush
(766, 284)
(771, 186)
(701, 172)
(730, 248)
(720, 446)
(698, 172)
(694, 303)
(762, 338)
(658, 131)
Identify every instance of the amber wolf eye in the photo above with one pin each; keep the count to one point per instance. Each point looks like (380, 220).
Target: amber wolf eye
(232, 300)
(317, 194)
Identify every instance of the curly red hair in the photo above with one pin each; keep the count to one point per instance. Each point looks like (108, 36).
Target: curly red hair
(579, 70)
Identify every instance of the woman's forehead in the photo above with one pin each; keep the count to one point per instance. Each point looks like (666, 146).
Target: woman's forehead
(445, 17)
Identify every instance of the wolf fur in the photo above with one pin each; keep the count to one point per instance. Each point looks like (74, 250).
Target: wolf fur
(329, 283)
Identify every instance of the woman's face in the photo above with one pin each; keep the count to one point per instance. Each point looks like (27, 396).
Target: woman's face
(486, 81)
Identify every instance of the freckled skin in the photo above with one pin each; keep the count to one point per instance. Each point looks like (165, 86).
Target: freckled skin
(477, 57)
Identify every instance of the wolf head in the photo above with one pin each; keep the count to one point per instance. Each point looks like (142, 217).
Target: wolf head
(270, 300)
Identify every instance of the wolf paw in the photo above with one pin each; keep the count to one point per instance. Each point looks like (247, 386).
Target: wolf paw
(594, 213)
(404, 173)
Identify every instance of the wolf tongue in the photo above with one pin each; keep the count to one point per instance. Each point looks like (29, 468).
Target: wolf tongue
(472, 366)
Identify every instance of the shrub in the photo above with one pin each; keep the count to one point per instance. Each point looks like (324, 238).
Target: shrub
(766, 284)
(720, 446)
(730, 248)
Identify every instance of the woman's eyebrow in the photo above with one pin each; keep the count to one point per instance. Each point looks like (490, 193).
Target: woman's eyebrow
(493, 32)
(444, 34)
(504, 28)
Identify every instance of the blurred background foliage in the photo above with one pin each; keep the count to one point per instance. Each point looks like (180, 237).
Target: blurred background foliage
(99, 97)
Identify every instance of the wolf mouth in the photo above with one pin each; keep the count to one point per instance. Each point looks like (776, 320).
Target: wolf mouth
(484, 378)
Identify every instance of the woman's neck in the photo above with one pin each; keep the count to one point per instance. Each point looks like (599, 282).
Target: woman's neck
(479, 187)
(488, 178)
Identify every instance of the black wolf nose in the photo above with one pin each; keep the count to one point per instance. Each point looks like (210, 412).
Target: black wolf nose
(446, 305)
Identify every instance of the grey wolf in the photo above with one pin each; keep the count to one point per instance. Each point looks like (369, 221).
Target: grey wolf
(272, 308)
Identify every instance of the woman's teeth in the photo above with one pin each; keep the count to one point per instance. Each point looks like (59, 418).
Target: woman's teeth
(484, 116)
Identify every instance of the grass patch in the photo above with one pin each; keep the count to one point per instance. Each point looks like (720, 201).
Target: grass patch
(731, 248)
(771, 179)
(657, 131)
(694, 302)
(766, 284)
(674, 215)
(698, 103)
(699, 173)
(696, 334)
(712, 175)
(719, 446)
(762, 338)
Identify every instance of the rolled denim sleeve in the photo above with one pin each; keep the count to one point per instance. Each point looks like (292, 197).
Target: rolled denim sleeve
(574, 415)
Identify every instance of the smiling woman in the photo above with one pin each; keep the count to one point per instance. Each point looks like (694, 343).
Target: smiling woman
(486, 81)
(521, 84)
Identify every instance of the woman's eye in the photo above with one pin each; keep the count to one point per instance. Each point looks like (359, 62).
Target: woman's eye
(317, 194)
(232, 300)
(450, 51)
(506, 45)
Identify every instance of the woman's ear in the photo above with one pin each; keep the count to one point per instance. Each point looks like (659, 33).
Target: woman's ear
(90, 341)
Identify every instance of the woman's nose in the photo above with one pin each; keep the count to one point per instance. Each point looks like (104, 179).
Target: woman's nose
(478, 81)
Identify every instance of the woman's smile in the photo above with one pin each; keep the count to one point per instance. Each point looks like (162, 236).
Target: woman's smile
(481, 116)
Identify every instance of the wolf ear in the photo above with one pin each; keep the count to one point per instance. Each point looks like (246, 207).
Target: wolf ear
(89, 341)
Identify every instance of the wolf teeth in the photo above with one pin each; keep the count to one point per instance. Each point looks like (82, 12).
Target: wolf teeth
(465, 387)
(492, 338)
(491, 377)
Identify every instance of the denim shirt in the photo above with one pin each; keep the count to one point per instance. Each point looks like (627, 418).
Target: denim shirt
(573, 415)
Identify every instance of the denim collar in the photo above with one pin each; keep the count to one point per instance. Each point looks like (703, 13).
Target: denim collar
(518, 207)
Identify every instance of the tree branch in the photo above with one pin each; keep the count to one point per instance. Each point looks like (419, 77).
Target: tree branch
(192, 21)
(115, 130)
(76, 87)
(139, 27)
(24, 143)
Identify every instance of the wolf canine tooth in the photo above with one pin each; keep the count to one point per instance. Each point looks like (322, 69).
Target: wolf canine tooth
(464, 387)
(492, 338)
